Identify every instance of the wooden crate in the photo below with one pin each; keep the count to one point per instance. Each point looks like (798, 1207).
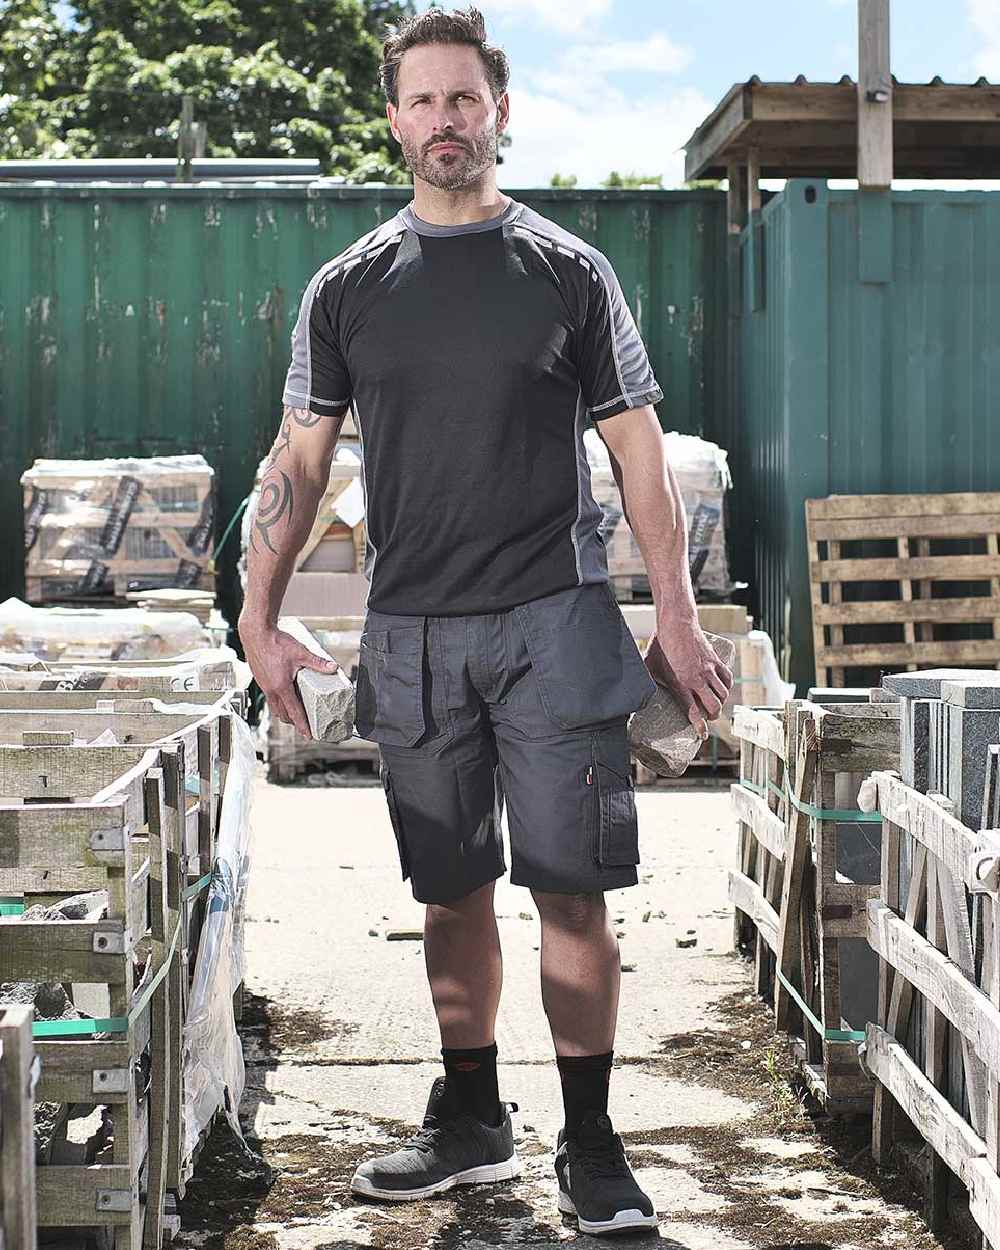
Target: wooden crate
(110, 527)
(808, 865)
(202, 747)
(903, 582)
(18, 1075)
(934, 1049)
(101, 818)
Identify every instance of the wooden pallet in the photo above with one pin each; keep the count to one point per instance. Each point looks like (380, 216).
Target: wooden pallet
(934, 1050)
(903, 582)
(799, 913)
(104, 819)
(149, 677)
(18, 1075)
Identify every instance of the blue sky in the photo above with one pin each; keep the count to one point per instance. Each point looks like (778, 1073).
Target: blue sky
(603, 84)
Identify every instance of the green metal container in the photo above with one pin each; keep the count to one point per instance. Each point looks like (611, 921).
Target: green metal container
(152, 319)
(867, 360)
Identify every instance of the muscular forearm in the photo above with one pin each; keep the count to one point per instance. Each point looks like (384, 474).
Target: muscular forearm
(654, 509)
(290, 493)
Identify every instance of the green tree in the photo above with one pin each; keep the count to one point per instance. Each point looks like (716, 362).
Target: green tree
(563, 180)
(631, 181)
(268, 77)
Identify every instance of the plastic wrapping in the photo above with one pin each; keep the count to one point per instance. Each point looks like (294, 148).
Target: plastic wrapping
(702, 471)
(214, 1072)
(209, 668)
(107, 527)
(97, 633)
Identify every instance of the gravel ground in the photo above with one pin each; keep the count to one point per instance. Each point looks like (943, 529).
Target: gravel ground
(342, 1046)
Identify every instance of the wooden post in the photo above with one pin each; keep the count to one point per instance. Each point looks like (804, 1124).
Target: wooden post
(191, 140)
(874, 96)
(736, 199)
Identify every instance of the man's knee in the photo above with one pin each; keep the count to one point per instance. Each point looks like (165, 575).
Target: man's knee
(472, 906)
(576, 912)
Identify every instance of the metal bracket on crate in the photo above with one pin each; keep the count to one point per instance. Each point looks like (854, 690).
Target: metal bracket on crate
(115, 1199)
(110, 1080)
(108, 942)
(108, 839)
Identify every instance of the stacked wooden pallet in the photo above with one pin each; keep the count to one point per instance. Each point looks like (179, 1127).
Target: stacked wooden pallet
(903, 582)
(808, 863)
(934, 1045)
(119, 799)
(102, 528)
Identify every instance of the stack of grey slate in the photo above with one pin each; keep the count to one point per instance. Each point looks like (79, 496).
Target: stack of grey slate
(949, 720)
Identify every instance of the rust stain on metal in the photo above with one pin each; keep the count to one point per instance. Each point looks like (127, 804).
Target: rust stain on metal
(696, 325)
(158, 213)
(213, 213)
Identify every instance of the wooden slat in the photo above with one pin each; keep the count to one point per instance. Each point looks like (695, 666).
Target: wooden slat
(980, 652)
(747, 896)
(896, 611)
(929, 525)
(797, 850)
(860, 507)
(763, 729)
(67, 1196)
(938, 979)
(891, 568)
(922, 818)
(767, 827)
(18, 1214)
(955, 1141)
(41, 951)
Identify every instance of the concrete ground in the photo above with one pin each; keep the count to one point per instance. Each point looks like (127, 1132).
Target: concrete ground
(342, 1047)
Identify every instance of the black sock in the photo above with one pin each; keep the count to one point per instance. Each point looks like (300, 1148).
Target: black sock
(585, 1081)
(472, 1075)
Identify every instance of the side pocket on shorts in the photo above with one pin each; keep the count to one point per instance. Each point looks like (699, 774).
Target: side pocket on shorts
(390, 689)
(615, 825)
(397, 825)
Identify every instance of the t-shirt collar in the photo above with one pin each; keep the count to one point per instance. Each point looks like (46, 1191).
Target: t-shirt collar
(419, 226)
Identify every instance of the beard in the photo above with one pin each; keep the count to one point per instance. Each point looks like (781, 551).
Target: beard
(454, 170)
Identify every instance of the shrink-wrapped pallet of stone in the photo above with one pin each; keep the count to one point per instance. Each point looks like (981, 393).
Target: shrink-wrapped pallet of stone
(102, 528)
(702, 471)
(68, 633)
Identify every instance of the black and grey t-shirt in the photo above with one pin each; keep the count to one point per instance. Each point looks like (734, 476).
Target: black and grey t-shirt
(472, 356)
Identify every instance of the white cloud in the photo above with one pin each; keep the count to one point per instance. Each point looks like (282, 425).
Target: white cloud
(564, 15)
(984, 16)
(575, 118)
(597, 130)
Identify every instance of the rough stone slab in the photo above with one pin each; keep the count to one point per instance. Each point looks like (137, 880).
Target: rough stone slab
(328, 699)
(980, 692)
(839, 694)
(914, 743)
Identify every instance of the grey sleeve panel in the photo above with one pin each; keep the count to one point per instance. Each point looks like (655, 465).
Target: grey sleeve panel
(317, 377)
(615, 370)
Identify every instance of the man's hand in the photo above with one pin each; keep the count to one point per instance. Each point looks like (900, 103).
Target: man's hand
(683, 660)
(275, 658)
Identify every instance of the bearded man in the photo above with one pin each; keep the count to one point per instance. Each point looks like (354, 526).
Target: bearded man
(474, 339)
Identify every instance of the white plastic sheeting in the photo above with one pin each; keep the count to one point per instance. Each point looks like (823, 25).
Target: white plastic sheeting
(97, 633)
(214, 1074)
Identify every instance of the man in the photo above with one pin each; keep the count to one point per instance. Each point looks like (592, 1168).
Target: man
(473, 338)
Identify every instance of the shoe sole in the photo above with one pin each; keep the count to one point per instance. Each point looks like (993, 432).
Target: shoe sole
(484, 1175)
(624, 1222)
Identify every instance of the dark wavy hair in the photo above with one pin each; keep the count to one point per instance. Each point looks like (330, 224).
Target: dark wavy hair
(439, 26)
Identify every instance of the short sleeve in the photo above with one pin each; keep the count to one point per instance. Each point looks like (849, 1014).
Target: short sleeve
(317, 377)
(615, 373)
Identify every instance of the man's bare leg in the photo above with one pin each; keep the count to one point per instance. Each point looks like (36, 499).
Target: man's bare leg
(464, 968)
(581, 972)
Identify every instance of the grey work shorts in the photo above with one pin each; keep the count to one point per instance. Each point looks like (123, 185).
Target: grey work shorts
(526, 707)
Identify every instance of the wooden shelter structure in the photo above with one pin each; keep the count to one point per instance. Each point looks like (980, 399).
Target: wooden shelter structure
(873, 129)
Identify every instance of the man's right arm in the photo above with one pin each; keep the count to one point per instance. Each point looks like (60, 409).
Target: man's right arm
(292, 487)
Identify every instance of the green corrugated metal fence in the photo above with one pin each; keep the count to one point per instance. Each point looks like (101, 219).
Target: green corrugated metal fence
(867, 332)
(143, 320)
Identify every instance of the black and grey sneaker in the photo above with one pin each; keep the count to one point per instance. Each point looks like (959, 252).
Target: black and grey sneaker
(453, 1148)
(596, 1183)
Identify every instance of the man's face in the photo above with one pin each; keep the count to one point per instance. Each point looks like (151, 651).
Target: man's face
(447, 121)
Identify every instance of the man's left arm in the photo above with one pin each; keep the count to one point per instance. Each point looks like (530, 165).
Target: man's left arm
(680, 656)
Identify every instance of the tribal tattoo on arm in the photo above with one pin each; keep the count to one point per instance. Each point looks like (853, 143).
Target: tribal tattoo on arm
(277, 500)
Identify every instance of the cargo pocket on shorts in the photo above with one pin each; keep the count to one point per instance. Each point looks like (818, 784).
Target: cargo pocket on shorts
(390, 701)
(583, 658)
(615, 825)
(397, 824)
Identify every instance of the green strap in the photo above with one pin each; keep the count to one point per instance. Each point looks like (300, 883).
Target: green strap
(853, 815)
(229, 528)
(830, 1035)
(11, 909)
(112, 1024)
(201, 884)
